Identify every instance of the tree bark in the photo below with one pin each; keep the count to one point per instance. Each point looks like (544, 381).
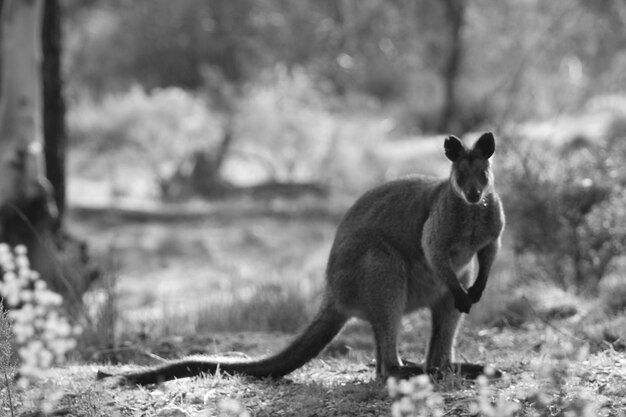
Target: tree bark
(455, 16)
(54, 131)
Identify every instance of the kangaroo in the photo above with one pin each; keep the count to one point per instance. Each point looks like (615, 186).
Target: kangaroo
(407, 244)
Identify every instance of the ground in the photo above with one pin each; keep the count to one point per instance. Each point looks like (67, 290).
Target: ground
(240, 278)
(592, 385)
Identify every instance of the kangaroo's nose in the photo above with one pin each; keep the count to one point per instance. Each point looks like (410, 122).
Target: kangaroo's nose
(473, 195)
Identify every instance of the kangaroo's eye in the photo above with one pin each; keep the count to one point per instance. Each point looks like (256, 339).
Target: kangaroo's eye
(484, 177)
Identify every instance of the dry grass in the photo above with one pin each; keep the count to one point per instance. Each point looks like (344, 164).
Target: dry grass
(547, 374)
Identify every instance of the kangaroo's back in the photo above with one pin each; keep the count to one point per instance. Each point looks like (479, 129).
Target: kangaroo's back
(395, 211)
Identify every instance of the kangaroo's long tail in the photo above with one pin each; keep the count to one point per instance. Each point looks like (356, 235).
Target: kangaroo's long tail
(324, 327)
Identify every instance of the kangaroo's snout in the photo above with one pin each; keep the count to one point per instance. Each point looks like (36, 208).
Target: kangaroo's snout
(473, 195)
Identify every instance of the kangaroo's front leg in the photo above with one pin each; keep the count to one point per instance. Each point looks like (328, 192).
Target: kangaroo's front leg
(437, 253)
(443, 270)
(485, 258)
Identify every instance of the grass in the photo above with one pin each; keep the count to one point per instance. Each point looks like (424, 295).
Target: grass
(542, 379)
(195, 271)
(7, 370)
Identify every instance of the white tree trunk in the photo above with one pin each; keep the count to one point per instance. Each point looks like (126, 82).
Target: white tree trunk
(22, 170)
(28, 213)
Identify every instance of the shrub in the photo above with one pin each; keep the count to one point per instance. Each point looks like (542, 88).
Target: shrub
(43, 336)
(414, 397)
(295, 131)
(549, 392)
(150, 131)
(281, 128)
(565, 208)
(284, 121)
(6, 356)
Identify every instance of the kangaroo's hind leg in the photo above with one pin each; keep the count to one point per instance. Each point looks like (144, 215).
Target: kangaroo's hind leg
(440, 358)
(385, 277)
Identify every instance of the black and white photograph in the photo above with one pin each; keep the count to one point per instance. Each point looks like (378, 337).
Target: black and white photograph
(258, 208)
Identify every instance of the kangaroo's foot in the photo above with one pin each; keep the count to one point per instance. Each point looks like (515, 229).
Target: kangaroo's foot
(406, 362)
(112, 380)
(466, 370)
(407, 371)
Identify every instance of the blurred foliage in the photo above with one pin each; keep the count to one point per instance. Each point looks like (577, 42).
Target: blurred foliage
(155, 130)
(301, 89)
(283, 130)
(518, 59)
(285, 121)
(566, 207)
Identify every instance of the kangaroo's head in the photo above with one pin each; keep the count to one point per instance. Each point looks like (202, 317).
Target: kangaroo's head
(471, 177)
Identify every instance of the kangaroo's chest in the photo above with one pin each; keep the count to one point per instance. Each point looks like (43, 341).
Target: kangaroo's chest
(472, 234)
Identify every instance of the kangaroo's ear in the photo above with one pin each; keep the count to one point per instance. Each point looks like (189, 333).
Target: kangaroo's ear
(486, 145)
(453, 147)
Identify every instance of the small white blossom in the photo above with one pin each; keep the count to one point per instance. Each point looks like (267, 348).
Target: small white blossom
(22, 263)
(42, 334)
(9, 276)
(20, 250)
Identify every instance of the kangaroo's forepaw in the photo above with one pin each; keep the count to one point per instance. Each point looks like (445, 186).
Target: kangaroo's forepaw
(474, 294)
(462, 302)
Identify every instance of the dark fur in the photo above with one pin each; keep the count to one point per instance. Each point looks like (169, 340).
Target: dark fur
(405, 245)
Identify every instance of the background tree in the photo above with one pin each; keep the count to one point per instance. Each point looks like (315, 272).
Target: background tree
(454, 11)
(54, 131)
(29, 213)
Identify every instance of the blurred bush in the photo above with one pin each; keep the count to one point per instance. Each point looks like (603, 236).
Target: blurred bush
(154, 131)
(516, 60)
(285, 121)
(613, 294)
(566, 209)
(283, 129)
(300, 133)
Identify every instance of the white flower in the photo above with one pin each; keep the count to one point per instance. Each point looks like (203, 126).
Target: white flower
(45, 358)
(26, 296)
(34, 276)
(43, 335)
(22, 263)
(10, 276)
(20, 250)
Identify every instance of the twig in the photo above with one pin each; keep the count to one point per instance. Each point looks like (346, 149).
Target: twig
(6, 381)
(153, 356)
(50, 252)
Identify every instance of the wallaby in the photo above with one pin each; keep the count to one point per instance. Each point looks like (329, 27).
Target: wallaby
(407, 244)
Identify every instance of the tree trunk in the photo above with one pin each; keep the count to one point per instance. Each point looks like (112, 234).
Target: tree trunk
(27, 211)
(21, 142)
(455, 16)
(54, 132)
